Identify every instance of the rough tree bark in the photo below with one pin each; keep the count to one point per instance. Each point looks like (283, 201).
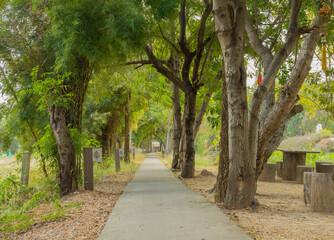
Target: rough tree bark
(230, 28)
(222, 177)
(127, 129)
(67, 174)
(189, 138)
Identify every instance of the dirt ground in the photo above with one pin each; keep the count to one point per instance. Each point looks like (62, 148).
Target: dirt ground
(82, 222)
(281, 213)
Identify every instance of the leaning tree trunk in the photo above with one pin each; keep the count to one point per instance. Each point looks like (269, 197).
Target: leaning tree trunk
(230, 31)
(222, 177)
(67, 174)
(177, 126)
(188, 170)
(127, 130)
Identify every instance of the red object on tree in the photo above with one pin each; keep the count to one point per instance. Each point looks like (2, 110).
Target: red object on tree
(259, 79)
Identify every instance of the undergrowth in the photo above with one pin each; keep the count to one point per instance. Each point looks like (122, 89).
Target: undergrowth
(17, 201)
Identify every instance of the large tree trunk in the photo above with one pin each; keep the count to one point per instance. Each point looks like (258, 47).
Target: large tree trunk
(176, 126)
(230, 28)
(222, 177)
(188, 170)
(67, 174)
(127, 129)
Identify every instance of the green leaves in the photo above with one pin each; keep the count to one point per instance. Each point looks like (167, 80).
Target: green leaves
(51, 90)
(163, 9)
(97, 30)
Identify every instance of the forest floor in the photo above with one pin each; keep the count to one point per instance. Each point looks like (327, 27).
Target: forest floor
(85, 215)
(281, 213)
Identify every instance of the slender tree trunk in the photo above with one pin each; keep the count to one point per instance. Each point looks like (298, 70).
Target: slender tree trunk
(222, 177)
(182, 139)
(127, 129)
(177, 128)
(201, 113)
(67, 174)
(120, 144)
(169, 140)
(188, 170)
(230, 29)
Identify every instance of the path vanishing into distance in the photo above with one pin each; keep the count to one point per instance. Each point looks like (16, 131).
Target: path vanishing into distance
(157, 206)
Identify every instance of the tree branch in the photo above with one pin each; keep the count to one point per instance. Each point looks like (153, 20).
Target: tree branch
(157, 64)
(183, 40)
(200, 43)
(168, 41)
(277, 139)
(254, 38)
(288, 94)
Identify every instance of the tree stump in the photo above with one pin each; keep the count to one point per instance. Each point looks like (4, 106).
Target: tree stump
(290, 162)
(268, 173)
(300, 172)
(322, 194)
(279, 166)
(326, 168)
(317, 164)
(307, 187)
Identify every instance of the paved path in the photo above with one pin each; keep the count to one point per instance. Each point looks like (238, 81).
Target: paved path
(156, 206)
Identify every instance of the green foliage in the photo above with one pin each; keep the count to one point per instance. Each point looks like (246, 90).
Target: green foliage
(319, 89)
(163, 9)
(276, 157)
(9, 188)
(48, 147)
(95, 29)
(51, 90)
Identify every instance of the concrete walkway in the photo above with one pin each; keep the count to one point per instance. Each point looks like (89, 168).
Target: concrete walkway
(156, 206)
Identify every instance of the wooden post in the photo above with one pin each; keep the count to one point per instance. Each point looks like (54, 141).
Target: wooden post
(279, 166)
(300, 172)
(134, 153)
(25, 167)
(117, 162)
(317, 164)
(326, 168)
(322, 194)
(307, 187)
(88, 168)
(290, 162)
(268, 173)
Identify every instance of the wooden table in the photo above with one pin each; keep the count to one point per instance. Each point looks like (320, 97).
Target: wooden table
(292, 159)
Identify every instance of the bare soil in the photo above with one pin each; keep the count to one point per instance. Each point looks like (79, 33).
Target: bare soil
(82, 222)
(281, 213)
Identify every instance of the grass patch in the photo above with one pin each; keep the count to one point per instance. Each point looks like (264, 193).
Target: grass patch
(17, 202)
